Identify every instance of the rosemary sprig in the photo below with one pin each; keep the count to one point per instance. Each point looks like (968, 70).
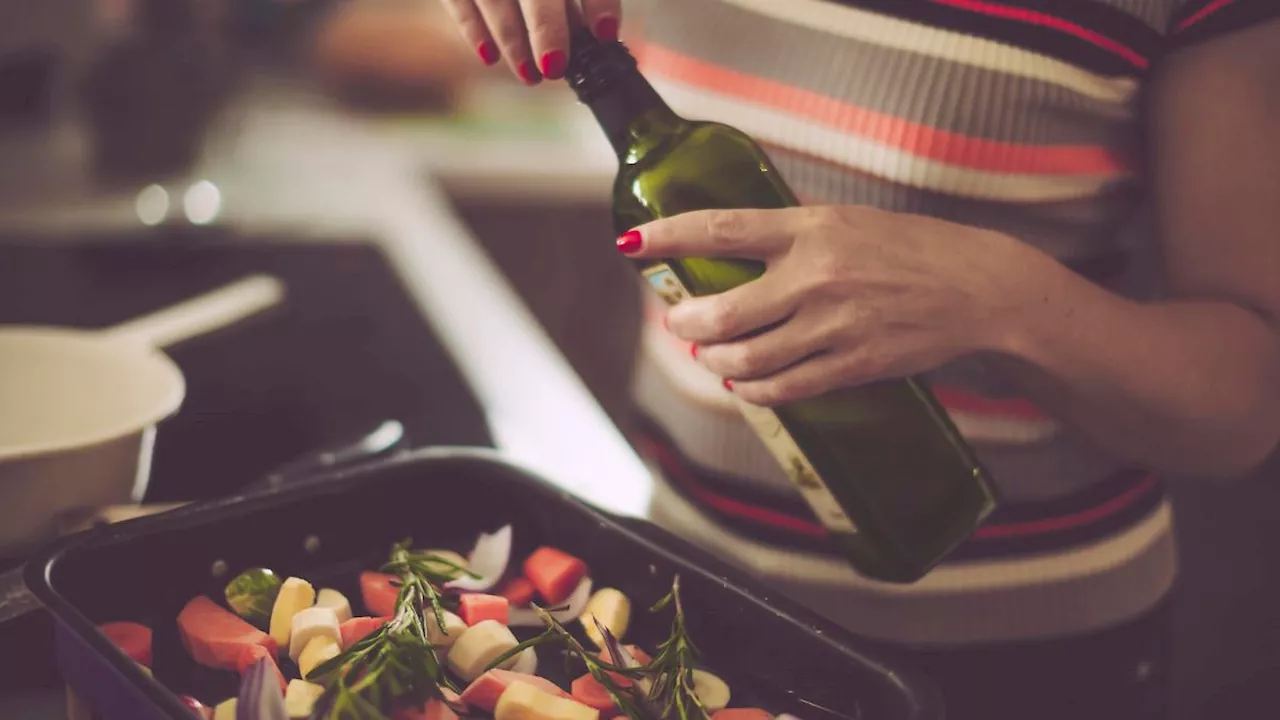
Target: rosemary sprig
(396, 663)
(673, 688)
(668, 676)
(625, 697)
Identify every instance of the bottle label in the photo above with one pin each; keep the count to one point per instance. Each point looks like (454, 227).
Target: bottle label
(768, 427)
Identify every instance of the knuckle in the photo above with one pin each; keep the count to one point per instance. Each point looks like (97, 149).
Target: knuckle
(725, 226)
(542, 20)
(742, 360)
(864, 367)
(823, 217)
(722, 315)
(772, 392)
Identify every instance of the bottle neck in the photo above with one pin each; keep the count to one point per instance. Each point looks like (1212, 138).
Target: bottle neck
(606, 79)
(634, 118)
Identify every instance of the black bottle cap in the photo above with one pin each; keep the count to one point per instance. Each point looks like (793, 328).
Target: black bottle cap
(596, 65)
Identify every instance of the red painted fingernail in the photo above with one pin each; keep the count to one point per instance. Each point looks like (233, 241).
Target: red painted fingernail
(728, 384)
(629, 242)
(528, 74)
(693, 350)
(488, 53)
(553, 64)
(607, 28)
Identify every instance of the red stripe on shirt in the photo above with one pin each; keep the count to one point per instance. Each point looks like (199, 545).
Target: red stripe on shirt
(680, 474)
(1031, 17)
(919, 140)
(1010, 409)
(1202, 13)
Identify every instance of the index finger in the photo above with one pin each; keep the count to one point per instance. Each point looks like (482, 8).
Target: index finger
(548, 25)
(750, 234)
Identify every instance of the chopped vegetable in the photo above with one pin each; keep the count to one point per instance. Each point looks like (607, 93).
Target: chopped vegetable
(378, 593)
(260, 697)
(396, 664)
(252, 595)
(454, 626)
(215, 637)
(526, 662)
(488, 560)
(741, 714)
(477, 607)
(711, 690)
(630, 701)
(518, 591)
(295, 596)
(311, 623)
(634, 654)
(356, 629)
(554, 573)
(133, 639)
(610, 608)
(300, 698)
(319, 649)
(577, 602)
(441, 562)
(484, 691)
(588, 691)
(335, 601)
(523, 701)
(478, 646)
(251, 655)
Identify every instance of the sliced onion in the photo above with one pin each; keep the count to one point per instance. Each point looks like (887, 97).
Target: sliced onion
(577, 602)
(526, 662)
(260, 697)
(488, 559)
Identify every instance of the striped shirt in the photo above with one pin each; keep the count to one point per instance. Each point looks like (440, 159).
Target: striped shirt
(1020, 116)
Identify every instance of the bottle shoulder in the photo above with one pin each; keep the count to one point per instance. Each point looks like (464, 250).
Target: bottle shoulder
(706, 165)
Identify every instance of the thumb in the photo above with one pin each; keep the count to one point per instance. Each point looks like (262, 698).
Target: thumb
(749, 234)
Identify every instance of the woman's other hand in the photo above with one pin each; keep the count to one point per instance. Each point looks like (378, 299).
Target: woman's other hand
(850, 295)
(531, 36)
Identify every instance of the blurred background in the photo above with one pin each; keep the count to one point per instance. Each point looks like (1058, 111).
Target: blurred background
(155, 149)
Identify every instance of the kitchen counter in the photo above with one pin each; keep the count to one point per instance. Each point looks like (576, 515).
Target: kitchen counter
(290, 164)
(284, 163)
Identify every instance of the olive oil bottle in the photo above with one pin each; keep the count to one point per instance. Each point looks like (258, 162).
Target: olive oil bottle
(882, 466)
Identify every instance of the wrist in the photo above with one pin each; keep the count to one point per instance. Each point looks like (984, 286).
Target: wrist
(1047, 308)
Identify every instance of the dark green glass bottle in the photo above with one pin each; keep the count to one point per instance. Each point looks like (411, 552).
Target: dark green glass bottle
(882, 465)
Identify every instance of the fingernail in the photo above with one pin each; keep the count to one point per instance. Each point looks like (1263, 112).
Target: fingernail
(693, 350)
(728, 384)
(488, 53)
(607, 28)
(629, 242)
(527, 73)
(553, 64)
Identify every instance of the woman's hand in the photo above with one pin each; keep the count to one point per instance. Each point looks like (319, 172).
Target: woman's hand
(531, 35)
(850, 295)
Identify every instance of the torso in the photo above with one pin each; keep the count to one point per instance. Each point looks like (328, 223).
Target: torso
(980, 113)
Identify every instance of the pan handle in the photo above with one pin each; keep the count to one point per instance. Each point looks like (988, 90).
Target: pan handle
(382, 441)
(201, 314)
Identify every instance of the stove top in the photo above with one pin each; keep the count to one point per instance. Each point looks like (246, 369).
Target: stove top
(347, 350)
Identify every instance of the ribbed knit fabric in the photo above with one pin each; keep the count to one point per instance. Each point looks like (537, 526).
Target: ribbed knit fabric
(1015, 115)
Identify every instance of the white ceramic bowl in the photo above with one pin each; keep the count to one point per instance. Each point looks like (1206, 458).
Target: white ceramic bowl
(77, 420)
